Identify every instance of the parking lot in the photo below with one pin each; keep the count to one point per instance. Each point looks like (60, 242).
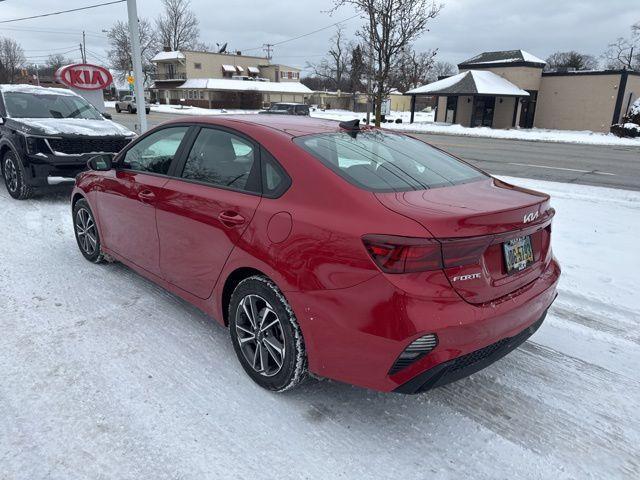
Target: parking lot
(106, 375)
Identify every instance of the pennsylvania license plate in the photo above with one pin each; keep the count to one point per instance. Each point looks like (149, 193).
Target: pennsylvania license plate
(518, 254)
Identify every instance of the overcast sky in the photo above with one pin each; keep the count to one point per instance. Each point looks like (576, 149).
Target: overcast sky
(463, 29)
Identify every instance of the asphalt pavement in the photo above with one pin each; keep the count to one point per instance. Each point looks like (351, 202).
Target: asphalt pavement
(605, 166)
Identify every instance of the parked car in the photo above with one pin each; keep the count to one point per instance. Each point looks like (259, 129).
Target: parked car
(364, 256)
(48, 134)
(287, 109)
(128, 104)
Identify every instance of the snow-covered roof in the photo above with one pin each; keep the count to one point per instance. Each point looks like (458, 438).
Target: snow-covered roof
(225, 84)
(173, 55)
(503, 56)
(253, 69)
(472, 82)
(34, 89)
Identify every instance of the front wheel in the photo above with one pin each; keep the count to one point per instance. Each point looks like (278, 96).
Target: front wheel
(118, 109)
(86, 231)
(266, 335)
(14, 177)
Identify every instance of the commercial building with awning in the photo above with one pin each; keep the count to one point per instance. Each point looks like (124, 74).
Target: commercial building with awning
(474, 98)
(510, 88)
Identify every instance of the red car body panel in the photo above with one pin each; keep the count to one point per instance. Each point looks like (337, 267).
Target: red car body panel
(355, 319)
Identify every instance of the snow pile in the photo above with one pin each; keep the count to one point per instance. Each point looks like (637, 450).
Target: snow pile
(635, 108)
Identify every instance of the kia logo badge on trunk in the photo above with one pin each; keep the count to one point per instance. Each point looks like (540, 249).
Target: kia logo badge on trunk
(530, 217)
(84, 76)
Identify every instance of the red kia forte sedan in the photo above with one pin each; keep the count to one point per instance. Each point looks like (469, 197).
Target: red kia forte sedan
(359, 255)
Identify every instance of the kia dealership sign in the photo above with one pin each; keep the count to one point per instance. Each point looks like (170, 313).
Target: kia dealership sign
(83, 76)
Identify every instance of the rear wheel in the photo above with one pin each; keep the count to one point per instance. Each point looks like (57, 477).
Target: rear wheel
(14, 177)
(266, 335)
(86, 232)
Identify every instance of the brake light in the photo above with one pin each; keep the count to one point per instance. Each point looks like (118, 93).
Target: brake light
(405, 255)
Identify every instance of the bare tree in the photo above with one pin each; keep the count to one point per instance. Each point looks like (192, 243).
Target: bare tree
(624, 52)
(390, 26)
(412, 69)
(57, 60)
(178, 26)
(441, 69)
(335, 67)
(11, 59)
(120, 48)
(572, 59)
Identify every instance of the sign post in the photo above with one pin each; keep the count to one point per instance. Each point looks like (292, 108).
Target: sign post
(137, 64)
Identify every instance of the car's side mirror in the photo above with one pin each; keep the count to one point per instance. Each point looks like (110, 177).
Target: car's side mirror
(101, 163)
(107, 115)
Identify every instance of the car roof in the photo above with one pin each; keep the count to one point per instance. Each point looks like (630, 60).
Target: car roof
(26, 88)
(290, 125)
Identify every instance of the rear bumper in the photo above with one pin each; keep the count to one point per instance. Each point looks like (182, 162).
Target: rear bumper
(355, 335)
(468, 364)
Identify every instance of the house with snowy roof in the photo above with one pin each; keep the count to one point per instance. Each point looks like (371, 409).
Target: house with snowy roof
(510, 89)
(223, 80)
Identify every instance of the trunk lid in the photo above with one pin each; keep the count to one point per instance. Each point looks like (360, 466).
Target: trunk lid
(486, 213)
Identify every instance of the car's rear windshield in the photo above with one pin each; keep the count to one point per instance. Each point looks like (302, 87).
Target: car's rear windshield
(48, 105)
(386, 162)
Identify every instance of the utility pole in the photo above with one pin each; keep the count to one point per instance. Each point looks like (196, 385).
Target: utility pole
(137, 65)
(268, 47)
(82, 53)
(84, 48)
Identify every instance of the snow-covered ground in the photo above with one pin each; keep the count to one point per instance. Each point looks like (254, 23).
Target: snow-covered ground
(105, 375)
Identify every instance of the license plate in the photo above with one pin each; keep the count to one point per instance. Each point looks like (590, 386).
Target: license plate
(518, 254)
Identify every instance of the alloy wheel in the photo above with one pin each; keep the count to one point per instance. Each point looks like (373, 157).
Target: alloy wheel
(86, 231)
(260, 335)
(11, 175)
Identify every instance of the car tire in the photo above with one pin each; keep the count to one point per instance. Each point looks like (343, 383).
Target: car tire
(86, 232)
(14, 177)
(266, 336)
(118, 109)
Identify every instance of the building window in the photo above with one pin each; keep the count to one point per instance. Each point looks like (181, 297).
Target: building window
(197, 66)
(201, 95)
(289, 75)
(283, 74)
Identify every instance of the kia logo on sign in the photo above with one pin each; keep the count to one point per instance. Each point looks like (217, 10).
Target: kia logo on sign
(84, 76)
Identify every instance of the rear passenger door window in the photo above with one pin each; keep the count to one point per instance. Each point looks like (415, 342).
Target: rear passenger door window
(223, 159)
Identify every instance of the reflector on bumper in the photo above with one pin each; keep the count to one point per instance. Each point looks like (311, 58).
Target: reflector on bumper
(415, 351)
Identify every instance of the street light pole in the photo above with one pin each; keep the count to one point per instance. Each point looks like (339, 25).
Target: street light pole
(137, 65)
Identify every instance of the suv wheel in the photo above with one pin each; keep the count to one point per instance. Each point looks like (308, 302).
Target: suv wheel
(13, 172)
(266, 335)
(86, 231)
(130, 109)
(118, 109)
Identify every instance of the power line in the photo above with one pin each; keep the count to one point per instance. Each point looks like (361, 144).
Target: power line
(301, 36)
(54, 32)
(62, 11)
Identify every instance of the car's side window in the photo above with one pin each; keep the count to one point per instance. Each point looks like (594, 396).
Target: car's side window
(223, 159)
(155, 152)
(275, 180)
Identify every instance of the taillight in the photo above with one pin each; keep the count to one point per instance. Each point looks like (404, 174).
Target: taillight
(405, 254)
(463, 251)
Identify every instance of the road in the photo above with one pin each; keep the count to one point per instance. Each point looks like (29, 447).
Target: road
(605, 166)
